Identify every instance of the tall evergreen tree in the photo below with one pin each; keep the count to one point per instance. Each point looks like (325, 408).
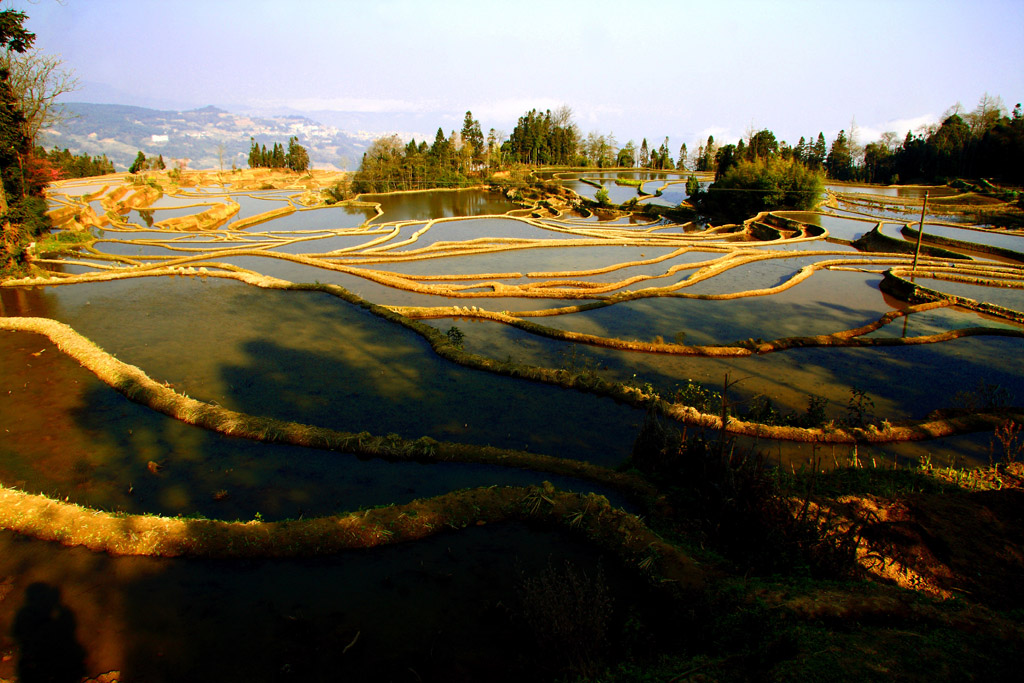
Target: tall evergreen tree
(661, 159)
(707, 155)
(439, 150)
(800, 151)
(254, 154)
(493, 149)
(297, 159)
(645, 154)
(726, 157)
(839, 162)
(140, 163)
(950, 148)
(277, 158)
(817, 152)
(473, 138)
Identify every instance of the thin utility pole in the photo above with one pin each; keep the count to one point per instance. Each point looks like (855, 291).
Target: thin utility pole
(920, 234)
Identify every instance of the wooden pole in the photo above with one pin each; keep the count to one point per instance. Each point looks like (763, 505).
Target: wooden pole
(920, 234)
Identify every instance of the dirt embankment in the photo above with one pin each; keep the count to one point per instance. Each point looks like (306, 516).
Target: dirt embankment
(955, 543)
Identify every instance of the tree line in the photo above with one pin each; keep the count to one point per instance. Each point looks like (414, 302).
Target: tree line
(463, 157)
(773, 172)
(986, 142)
(295, 159)
(76, 165)
(454, 160)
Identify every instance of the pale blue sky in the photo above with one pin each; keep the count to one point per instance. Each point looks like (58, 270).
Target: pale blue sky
(660, 68)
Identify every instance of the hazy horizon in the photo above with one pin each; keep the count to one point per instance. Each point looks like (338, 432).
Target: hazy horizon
(676, 69)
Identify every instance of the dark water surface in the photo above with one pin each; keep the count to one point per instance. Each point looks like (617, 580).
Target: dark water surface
(441, 609)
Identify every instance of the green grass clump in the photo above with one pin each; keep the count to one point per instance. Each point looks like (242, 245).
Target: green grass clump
(63, 241)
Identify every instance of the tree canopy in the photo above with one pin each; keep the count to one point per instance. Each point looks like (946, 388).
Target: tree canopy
(38, 80)
(296, 158)
(548, 138)
(76, 166)
(760, 184)
(985, 142)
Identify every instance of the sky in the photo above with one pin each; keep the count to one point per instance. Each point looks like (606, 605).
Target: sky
(637, 70)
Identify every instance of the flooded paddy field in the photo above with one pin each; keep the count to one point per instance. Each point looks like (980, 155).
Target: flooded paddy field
(331, 361)
(164, 301)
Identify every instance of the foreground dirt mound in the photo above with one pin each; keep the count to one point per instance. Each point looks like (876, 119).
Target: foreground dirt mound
(967, 544)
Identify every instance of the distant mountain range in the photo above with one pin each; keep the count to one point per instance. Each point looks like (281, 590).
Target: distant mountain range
(201, 136)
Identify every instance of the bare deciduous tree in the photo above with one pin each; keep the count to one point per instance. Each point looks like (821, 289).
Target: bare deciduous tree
(37, 81)
(891, 140)
(989, 110)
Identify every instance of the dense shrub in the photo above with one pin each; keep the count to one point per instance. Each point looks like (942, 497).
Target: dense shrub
(751, 186)
(728, 499)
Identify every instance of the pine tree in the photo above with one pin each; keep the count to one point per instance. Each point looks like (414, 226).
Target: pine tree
(839, 162)
(492, 147)
(139, 164)
(664, 157)
(297, 158)
(473, 137)
(254, 154)
(23, 174)
(278, 160)
(13, 142)
(439, 150)
(800, 151)
(818, 150)
(645, 154)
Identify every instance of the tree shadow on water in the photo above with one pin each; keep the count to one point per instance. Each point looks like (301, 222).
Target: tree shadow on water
(44, 630)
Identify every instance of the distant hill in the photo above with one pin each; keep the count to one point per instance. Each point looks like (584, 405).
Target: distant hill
(120, 131)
